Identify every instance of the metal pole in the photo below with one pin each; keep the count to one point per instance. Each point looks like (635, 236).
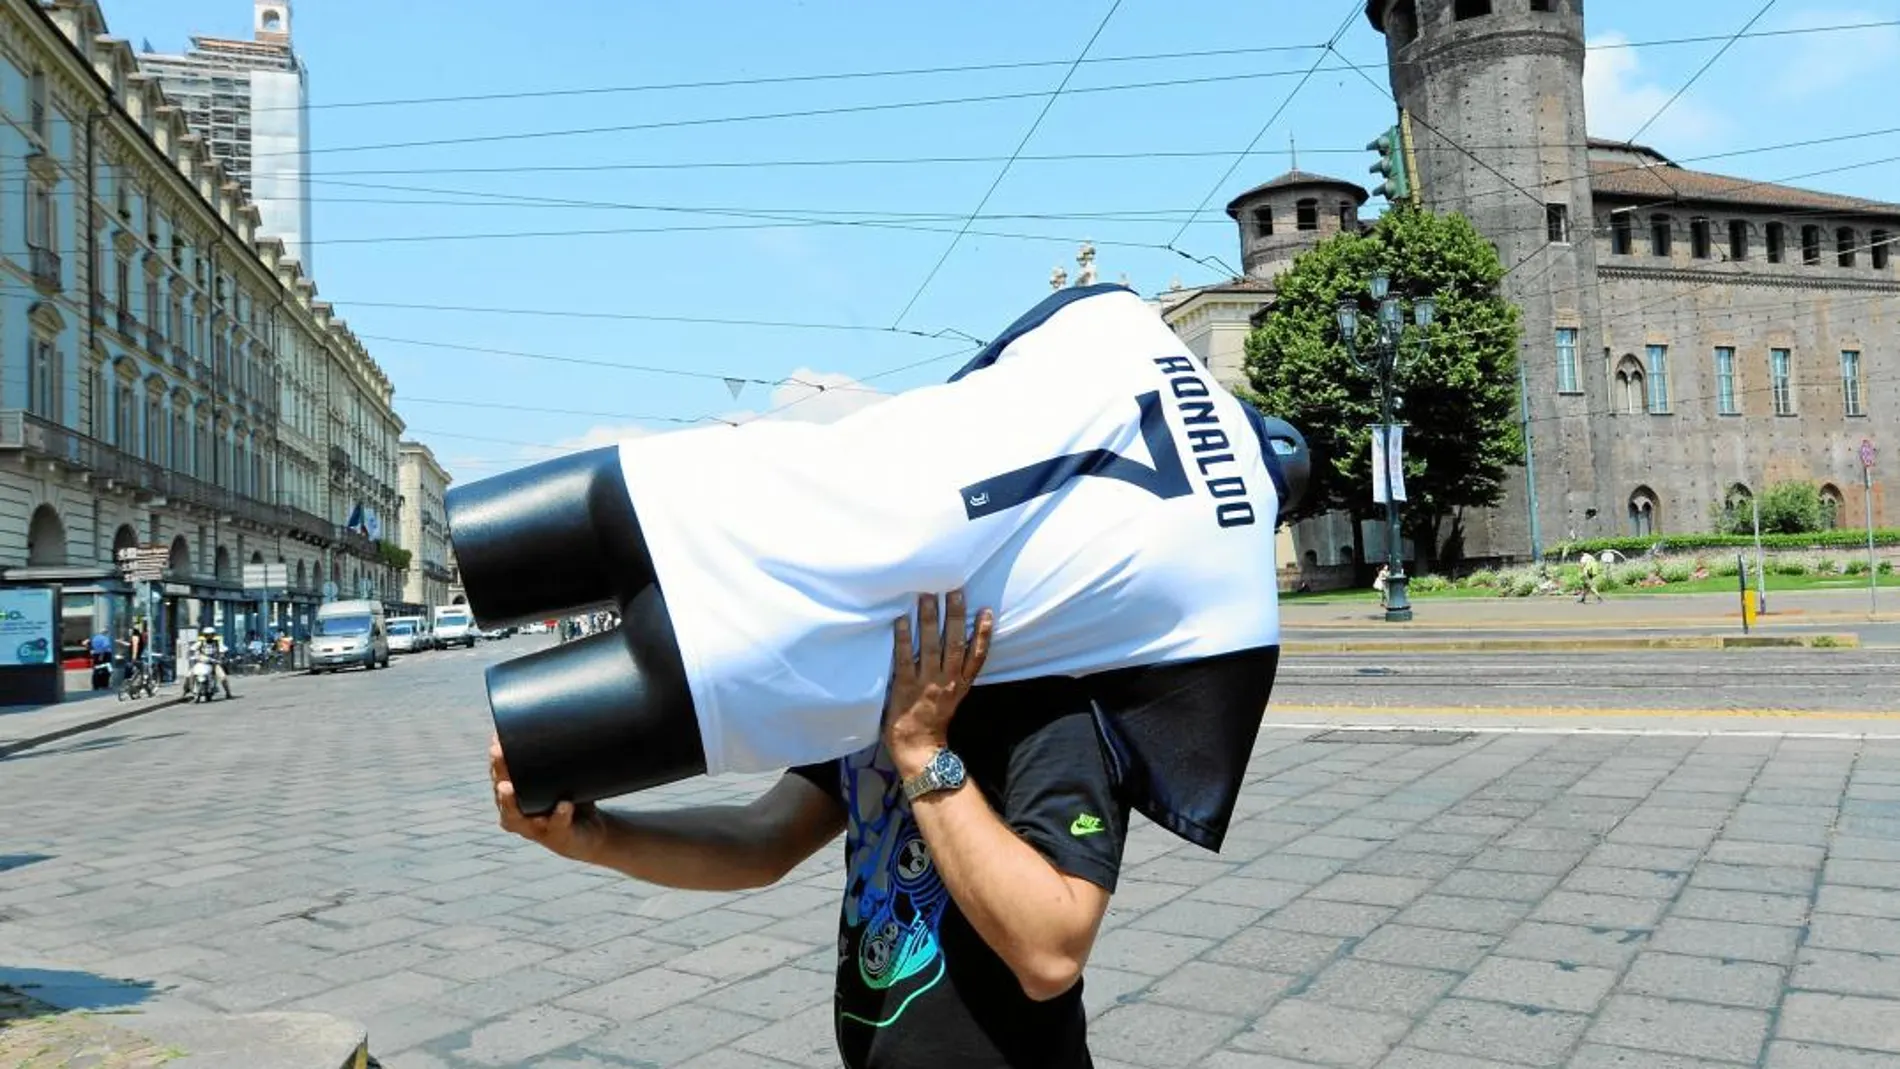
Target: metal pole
(1761, 568)
(1530, 465)
(1397, 607)
(1873, 567)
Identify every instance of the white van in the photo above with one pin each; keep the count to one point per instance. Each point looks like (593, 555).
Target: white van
(349, 633)
(409, 634)
(454, 624)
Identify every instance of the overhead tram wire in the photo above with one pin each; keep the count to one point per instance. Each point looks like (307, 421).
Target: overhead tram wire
(975, 68)
(1354, 8)
(1710, 62)
(802, 113)
(900, 161)
(1003, 172)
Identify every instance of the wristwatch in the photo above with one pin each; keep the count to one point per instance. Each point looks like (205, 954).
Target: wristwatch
(944, 772)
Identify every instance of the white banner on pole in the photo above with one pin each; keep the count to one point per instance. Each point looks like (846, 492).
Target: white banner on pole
(1388, 451)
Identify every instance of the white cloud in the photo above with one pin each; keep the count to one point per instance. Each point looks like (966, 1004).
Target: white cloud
(802, 399)
(1809, 65)
(1618, 98)
(592, 438)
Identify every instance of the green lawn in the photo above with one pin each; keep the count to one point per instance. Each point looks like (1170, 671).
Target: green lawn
(1711, 585)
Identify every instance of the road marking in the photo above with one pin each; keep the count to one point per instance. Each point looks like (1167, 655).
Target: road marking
(1530, 710)
(1511, 729)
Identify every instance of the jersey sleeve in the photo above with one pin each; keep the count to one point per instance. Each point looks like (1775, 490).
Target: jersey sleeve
(1060, 797)
(824, 775)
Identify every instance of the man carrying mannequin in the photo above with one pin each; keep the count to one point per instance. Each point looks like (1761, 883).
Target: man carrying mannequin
(980, 857)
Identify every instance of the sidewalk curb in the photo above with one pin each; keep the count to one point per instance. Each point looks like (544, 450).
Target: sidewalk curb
(1559, 645)
(1789, 619)
(176, 1036)
(11, 748)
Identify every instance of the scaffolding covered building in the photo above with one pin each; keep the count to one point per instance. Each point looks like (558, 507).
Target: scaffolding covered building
(248, 101)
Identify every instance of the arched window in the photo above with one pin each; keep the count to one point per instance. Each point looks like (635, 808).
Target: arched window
(1620, 233)
(1660, 229)
(1347, 215)
(1470, 9)
(1263, 222)
(1844, 246)
(1832, 506)
(1642, 512)
(178, 564)
(45, 539)
(1632, 387)
(1877, 248)
(1307, 213)
(1810, 244)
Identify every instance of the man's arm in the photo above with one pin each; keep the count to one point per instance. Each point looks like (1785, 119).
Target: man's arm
(1040, 920)
(711, 848)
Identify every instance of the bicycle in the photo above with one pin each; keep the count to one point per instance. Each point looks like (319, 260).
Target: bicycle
(138, 681)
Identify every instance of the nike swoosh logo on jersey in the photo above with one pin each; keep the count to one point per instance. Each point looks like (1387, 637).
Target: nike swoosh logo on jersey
(1085, 824)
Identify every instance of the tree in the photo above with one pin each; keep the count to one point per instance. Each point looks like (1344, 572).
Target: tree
(1791, 507)
(1460, 399)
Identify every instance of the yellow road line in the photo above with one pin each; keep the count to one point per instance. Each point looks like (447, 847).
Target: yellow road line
(1276, 709)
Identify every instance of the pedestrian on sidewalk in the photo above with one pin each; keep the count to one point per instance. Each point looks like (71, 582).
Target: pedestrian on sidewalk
(100, 646)
(1379, 583)
(972, 899)
(1592, 577)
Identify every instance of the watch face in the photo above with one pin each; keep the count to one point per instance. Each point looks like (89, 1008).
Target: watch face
(948, 768)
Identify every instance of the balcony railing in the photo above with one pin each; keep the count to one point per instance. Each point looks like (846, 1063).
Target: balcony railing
(42, 439)
(356, 542)
(45, 263)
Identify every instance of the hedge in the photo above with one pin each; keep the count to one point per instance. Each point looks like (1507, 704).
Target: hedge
(1839, 538)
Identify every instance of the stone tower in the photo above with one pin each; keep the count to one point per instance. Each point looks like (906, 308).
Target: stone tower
(1494, 89)
(1285, 217)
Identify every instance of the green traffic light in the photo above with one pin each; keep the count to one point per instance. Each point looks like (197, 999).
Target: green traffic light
(1391, 164)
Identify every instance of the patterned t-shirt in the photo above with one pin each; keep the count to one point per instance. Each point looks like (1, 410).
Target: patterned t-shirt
(916, 984)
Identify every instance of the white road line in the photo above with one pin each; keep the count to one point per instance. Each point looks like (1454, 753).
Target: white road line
(1509, 729)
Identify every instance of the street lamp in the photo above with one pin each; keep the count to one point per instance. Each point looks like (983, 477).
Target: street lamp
(1378, 355)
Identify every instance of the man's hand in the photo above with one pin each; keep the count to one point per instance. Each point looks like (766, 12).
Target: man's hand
(927, 684)
(574, 832)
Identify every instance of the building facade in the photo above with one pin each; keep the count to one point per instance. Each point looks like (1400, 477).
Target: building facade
(247, 100)
(1688, 338)
(425, 526)
(168, 378)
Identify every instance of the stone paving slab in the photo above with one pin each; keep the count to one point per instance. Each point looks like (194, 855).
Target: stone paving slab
(1581, 900)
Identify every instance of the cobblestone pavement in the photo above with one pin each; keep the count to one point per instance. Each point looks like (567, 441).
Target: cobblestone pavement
(1416, 902)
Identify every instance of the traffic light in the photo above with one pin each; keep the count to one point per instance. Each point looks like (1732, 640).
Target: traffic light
(1398, 182)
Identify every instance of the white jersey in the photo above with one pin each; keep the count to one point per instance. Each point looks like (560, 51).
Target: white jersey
(1085, 478)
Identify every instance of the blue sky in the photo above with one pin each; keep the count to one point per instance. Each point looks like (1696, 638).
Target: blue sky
(371, 250)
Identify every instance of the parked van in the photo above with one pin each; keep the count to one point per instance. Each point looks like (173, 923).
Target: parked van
(409, 634)
(349, 633)
(454, 624)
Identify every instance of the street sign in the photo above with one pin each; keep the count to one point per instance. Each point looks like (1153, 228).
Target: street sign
(1867, 453)
(144, 564)
(266, 576)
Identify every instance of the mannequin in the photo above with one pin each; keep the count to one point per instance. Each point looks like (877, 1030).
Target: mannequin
(757, 569)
